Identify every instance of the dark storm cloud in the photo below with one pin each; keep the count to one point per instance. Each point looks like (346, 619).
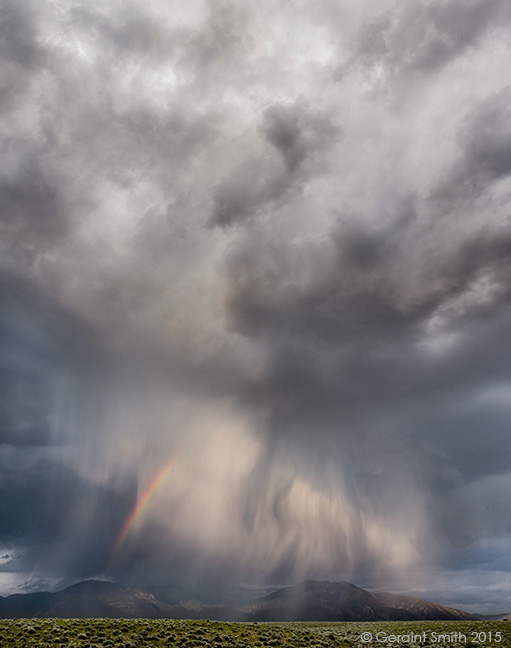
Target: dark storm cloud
(283, 130)
(40, 497)
(362, 310)
(38, 330)
(51, 373)
(41, 347)
(361, 294)
(33, 211)
(20, 54)
(489, 135)
(348, 356)
(485, 156)
(245, 191)
(18, 35)
(296, 288)
(299, 135)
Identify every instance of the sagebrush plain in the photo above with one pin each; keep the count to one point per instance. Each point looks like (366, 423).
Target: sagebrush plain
(137, 633)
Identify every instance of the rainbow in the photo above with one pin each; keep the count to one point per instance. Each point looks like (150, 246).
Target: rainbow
(140, 505)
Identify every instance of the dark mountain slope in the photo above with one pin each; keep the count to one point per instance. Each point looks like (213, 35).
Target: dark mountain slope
(309, 601)
(89, 599)
(325, 601)
(423, 610)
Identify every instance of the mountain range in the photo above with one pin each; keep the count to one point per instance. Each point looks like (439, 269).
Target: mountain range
(308, 601)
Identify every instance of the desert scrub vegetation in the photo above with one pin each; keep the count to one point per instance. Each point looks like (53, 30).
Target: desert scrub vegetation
(163, 633)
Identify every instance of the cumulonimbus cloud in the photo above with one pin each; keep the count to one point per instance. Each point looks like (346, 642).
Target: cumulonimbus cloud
(276, 242)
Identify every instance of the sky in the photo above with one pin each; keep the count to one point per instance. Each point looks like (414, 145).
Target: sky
(255, 294)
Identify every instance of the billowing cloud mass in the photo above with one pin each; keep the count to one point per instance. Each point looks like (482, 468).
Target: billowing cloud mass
(269, 245)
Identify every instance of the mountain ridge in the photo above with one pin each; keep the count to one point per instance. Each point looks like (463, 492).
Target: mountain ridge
(326, 601)
(307, 601)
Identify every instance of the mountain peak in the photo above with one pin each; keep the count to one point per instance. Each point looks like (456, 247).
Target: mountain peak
(310, 600)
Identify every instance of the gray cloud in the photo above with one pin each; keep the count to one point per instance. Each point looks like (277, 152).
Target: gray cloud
(422, 38)
(485, 144)
(20, 52)
(293, 290)
(18, 32)
(299, 135)
(32, 206)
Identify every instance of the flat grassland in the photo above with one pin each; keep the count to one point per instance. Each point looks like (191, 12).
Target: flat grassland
(137, 633)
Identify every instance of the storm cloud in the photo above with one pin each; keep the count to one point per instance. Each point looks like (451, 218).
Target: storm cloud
(272, 243)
